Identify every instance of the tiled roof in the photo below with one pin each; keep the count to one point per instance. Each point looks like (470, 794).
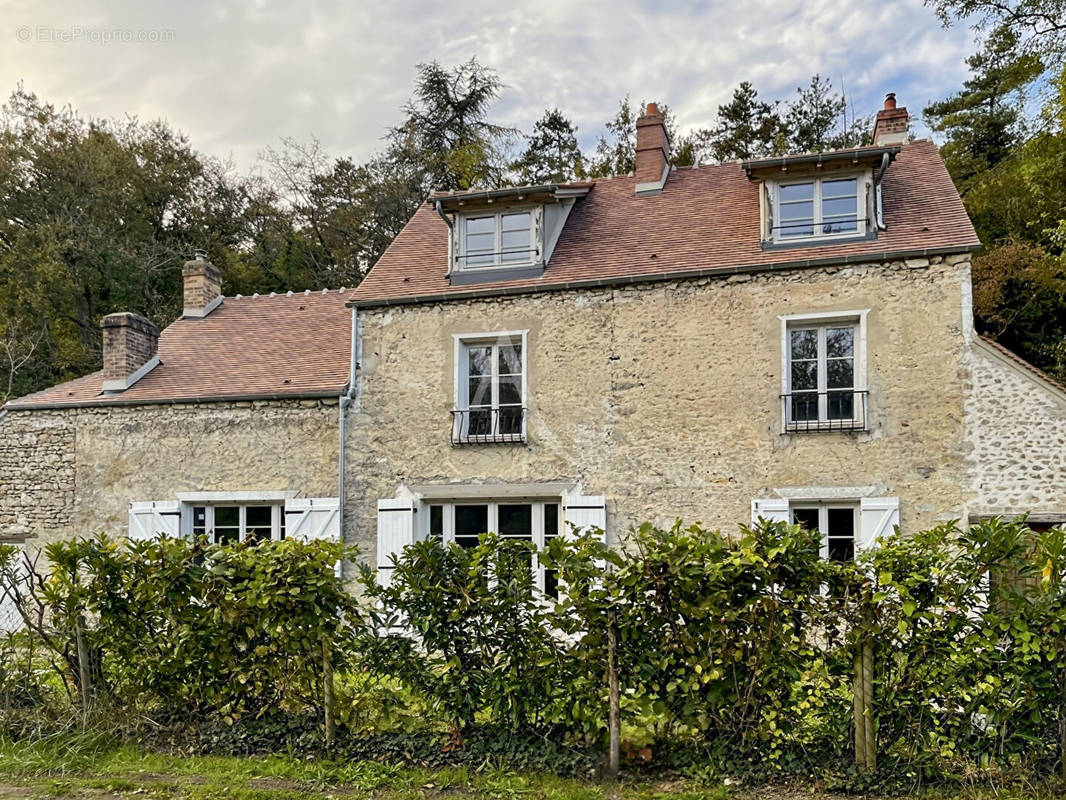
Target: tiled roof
(281, 346)
(705, 220)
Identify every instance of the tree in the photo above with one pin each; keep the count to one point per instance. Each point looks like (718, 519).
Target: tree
(552, 154)
(97, 216)
(1039, 26)
(446, 139)
(812, 119)
(746, 127)
(985, 122)
(616, 152)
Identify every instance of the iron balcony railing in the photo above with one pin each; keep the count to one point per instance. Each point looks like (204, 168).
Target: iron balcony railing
(504, 425)
(834, 410)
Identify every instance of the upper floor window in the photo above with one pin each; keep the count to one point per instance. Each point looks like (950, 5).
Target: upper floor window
(501, 239)
(824, 373)
(818, 207)
(490, 389)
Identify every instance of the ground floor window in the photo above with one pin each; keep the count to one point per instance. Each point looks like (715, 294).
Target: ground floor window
(238, 522)
(535, 522)
(836, 522)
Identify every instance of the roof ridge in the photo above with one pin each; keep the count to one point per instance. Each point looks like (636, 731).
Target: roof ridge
(289, 293)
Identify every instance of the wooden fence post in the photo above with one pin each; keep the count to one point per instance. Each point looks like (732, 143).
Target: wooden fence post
(84, 678)
(614, 720)
(863, 695)
(327, 693)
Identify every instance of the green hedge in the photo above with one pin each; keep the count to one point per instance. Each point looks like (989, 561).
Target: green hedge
(735, 653)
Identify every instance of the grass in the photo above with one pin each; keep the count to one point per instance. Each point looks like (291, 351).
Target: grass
(91, 765)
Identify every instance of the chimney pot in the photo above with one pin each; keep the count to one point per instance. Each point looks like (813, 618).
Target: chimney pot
(130, 349)
(653, 151)
(890, 127)
(203, 286)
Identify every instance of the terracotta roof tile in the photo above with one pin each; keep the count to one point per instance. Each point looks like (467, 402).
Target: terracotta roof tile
(281, 346)
(706, 218)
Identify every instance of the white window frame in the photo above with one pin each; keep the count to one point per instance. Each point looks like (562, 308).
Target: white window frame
(537, 523)
(277, 517)
(821, 320)
(823, 507)
(535, 226)
(862, 224)
(461, 401)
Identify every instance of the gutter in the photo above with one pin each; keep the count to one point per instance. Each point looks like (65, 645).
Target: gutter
(594, 283)
(171, 401)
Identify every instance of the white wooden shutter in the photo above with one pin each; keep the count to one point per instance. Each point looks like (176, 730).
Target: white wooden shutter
(396, 530)
(585, 511)
(310, 518)
(772, 509)
(154, 518)
(878, 516)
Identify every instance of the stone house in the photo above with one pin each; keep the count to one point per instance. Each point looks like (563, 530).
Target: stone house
(788, 338)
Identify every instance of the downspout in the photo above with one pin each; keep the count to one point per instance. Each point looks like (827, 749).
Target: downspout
(451, 236)
(879, 210)
(343, 405)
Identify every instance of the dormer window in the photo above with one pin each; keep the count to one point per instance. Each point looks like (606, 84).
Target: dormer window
(500, 239)
(818, 208)
(493, 240)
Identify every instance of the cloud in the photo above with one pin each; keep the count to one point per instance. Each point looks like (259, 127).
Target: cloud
(238, 76)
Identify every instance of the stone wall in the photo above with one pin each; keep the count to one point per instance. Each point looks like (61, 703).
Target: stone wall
(1016, 424)
(665, 396)
(75, 471)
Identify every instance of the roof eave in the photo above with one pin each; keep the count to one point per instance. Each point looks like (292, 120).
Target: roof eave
(854, 155)
(498, 291)
(14, 405)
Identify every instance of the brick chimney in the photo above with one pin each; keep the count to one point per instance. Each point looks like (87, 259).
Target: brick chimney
(203, 286)
(891, 125)
(653, 151)
(131, 349)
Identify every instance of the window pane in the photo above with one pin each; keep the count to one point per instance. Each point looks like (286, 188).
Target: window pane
(804, 375)
(227, 516)
(516, 222)
(838, 188)
(804, 344)
(841, 405)
(511, 391)
(841, 549)
(551, 520)
(839, 207)
(516, 520)
(466, 541)
(436, 522)
(225, 535)
(479, 422)
(480, 359)
(839, 342)
(199, 520)
(551, 584)
(839, 226)
(480, 392)
(510, 420)
(841, 522)
(482, 225)
(471, 520)
(516, 240)
(807, 517)
(797, 191)
(510, 359)
(258, 516)
(840, 373)
(804, 407)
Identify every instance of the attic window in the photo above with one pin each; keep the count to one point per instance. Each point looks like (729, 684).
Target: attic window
(818, 208)
(508, 238)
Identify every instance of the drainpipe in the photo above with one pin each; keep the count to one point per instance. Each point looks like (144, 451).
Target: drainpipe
(879, 210)
(345, 402)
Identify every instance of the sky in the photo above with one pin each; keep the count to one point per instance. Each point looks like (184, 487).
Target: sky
(236, 77)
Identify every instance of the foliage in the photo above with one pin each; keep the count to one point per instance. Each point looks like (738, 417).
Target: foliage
(463, 629)
(552, 153)
(190, 627)
(1038, 25)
